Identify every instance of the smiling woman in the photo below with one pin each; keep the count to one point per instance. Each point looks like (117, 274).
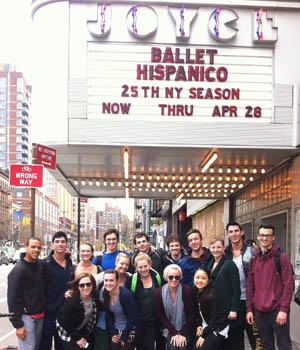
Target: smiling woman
(77, 316)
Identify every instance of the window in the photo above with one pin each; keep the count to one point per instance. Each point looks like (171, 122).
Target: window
(2, 113)
(2, 164)
(2, 131)
(19, 114)
(19, 139)
(19, 105)
(19, 203)
(19, 122)
(19, 97)
(2, 155)
(2, 81)
(19, 131)
(19, 156)
(19, 194)
(3, 105)
(2, 121)
(19, 147)
(2, 88)
(2, 97)
(2, 147)
(2, 139)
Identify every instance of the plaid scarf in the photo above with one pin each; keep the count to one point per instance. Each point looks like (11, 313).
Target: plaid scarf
(89, 326)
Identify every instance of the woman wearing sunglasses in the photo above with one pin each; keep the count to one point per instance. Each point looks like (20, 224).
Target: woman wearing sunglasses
(120, 310)
(211, 321)
(77, 316)
(175, 309)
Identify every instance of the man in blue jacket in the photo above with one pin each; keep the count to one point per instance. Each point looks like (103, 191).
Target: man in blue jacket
(198, 257)
(57, 271)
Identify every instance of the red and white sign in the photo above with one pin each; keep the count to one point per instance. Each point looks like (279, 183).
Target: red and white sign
(46, 156)
(83, 200)
(26, 175)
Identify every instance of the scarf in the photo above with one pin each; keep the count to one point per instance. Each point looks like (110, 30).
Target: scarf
(174, 312)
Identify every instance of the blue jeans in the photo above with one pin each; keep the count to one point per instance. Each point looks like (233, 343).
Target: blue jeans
(33, 328)
(49, 331)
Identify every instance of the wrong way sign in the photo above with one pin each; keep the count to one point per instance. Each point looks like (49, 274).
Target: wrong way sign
(26, 175)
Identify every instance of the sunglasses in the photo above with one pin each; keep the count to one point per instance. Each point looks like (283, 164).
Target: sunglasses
(171, 278)
(87, 285)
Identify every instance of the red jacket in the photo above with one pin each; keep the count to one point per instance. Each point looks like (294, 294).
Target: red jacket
(267, 289)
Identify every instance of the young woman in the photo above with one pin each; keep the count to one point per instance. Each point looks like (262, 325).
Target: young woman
(120, 310)
(101, 332)
(86, 253)
(77, 316)
(175, 309)
(143, 284)
(226, 278)
(122, 264)
(211, 321)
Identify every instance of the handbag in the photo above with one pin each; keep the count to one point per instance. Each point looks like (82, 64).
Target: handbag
(297, 295)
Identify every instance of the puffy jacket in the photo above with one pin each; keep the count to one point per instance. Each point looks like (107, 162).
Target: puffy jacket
(247, 253)
(267, 289)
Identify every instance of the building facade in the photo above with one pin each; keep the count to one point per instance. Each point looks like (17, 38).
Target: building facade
(15, 103)
(166, 101)
(5, 206)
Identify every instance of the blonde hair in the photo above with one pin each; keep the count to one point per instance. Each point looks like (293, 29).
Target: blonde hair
(168, 268)
(122, 255)
(217, 239)
(142, 256)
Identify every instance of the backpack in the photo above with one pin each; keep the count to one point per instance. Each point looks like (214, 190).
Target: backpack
(134, 281)
(277, 261)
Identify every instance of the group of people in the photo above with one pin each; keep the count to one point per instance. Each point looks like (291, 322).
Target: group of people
(185, 299)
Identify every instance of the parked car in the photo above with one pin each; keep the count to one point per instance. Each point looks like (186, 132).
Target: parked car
(4, 259)
(16, 256)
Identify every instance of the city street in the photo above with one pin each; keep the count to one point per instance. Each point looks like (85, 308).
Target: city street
(7, 332)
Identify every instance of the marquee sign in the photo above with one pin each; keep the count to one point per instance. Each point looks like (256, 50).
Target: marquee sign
(182, 82)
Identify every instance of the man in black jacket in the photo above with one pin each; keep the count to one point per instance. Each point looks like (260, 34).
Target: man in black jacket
(142, 245)
(25, 296)
(241, 253)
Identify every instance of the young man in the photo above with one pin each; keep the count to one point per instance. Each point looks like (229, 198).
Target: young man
(108, 260)
(198, 257)
(142, 245)
(240, 253)
(270, 288)
(25, 296)
(176, 252)
(58, 272)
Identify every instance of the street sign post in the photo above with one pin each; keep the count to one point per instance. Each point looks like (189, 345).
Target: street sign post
(25, 175)
(46, 156)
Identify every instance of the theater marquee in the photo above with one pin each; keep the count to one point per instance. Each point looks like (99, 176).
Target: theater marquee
(182, 82)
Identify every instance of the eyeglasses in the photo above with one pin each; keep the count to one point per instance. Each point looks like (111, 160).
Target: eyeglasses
(171, 278)
(261, 235)
(87, 285)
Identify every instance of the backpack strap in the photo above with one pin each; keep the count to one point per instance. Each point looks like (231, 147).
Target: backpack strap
(133, 282)
(99, 260)
(277, 260)
(158, 279)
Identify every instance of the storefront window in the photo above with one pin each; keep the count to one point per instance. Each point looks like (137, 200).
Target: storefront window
(269, 191)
